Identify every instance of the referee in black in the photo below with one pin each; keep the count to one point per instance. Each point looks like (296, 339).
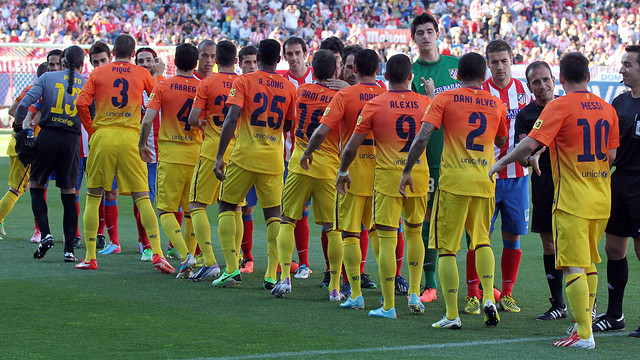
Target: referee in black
(57, 146)
(541, 82)
(625, 194)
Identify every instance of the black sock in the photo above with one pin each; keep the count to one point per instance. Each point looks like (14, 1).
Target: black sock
(554, 278)
(69, 220)
(39, 207)
(617, 276)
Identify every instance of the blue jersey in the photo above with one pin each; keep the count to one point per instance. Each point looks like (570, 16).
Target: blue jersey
(58, 106)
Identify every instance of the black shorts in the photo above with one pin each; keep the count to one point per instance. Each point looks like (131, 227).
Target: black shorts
(625, 204)
(542, 201)
(59, 151)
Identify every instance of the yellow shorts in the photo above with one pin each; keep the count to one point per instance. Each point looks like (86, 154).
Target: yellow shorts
(205, 187)
(576, 239)
(238, 182)
(299, 188)
(389, 209)
(18, 175)
(114, 151)
(173, 182)
(453, 214)
(355, 211)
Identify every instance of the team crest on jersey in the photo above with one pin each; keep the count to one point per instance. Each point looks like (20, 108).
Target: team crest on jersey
(232, 92)
(151, 96)
(453, 73)
(326, 111)
(522, 99)
(538, 124)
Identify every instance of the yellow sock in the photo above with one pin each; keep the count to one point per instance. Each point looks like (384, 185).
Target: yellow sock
(6, 204)
(90, 221)
(375, 243)
(150, 223)
(388, 240)
(273, 228)
(239, 232)
(578, 296)
(202, 229)
(448, 271)
(485, 266)
(415, 257)
(227, 236)
(334, 253)
(592, 281)
(174, 233)
(189, 235)
(285, 240)
(352, 256)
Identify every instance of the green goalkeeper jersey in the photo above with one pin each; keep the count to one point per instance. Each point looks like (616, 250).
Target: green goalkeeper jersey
(444, 73)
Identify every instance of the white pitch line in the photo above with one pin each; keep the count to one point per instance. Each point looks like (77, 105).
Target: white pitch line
(393, 348)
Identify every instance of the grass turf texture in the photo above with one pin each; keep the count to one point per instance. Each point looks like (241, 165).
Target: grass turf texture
(127, 310)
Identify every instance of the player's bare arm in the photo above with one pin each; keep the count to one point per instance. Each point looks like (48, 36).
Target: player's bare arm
(522, 150)
(348, 155)
(194, 119)
(145, 129)
(337, 84)
(612, 156)
(32, 120)
(429, 87)
(316, 140)
(228, 129)
(13, 108)
(533, 160)
(500, 141)
(416, 150)
(287, 126)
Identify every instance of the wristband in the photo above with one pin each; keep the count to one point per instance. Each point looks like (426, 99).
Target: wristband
(343, 173)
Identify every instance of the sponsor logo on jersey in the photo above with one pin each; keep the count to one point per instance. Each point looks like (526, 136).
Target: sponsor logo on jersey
(453, 73)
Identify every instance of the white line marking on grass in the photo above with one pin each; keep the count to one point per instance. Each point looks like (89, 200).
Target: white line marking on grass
(392, 348)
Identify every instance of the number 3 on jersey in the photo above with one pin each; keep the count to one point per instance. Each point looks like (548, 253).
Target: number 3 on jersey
(124, 97)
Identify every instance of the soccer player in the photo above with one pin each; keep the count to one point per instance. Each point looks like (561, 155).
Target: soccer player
(391, 117)
(433, 74)
(117, 91)
(541, 82)
(18, 172)
(512, 184)
(211, 96)
(305, 180)
(625, 217)
(178, 147)
(206, 59)
(58, 146)
(581, 132)
(472, 120)
(261, 106)
(54, 61)
(354, 208)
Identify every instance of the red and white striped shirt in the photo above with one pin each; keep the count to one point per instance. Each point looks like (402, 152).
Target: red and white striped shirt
(152, 140)
(289, 137)
(515, 96)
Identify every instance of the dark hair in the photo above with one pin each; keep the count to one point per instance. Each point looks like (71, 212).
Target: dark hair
(294, 40)
(247, 50)
(367, 62)
(421, 19)
(398, 68)
(269, 52)
(226, 53)
(574, 68)
(186, 57)
(634, 49)
(97, 48)
(42, 68)
(498, 45)
(534, 65)
(324, 64)
(471, 66)
(350, 50)
(54, 52)
(332, 44)
(124, 46)
(204, 43)
(74, 56)
(147, 49)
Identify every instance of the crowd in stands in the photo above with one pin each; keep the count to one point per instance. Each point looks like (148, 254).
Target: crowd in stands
(536, 29)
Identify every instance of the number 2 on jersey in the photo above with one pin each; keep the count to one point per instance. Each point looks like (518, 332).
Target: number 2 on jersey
(183, 114)
(473, 119)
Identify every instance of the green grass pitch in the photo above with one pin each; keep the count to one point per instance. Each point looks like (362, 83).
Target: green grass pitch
(127, 310)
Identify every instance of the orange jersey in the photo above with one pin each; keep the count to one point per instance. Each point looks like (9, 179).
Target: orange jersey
(394, 119)
(117, 89)
(267, 100)
(470, 118)
(211, 97)
(579, 129)
(342, 113)
(311, 102)
(178, 141)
